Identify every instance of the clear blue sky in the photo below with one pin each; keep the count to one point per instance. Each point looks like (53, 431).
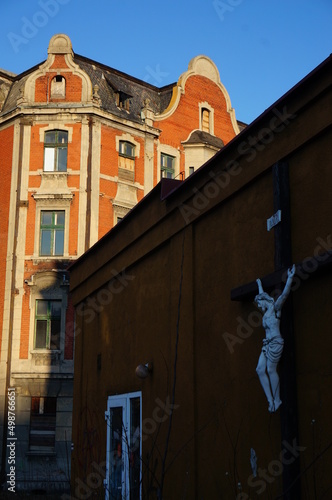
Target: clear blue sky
(261, 47)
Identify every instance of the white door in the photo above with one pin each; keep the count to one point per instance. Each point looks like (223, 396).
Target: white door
(123, 450)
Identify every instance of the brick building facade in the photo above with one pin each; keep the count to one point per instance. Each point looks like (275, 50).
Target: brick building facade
(81, 144)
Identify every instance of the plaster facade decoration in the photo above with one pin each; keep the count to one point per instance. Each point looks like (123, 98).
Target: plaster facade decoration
(60, 45)
(273, 343)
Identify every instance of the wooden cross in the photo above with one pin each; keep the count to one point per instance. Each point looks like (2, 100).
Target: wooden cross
(287, 366)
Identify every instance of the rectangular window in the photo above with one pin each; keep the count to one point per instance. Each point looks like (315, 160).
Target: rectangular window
(55, 151)
(167, 166)
(191, 170)
(42, 423)
(126, 149)
(205, 120)
(48, 324)
(126, 157)
(123, 461)
(52, 231)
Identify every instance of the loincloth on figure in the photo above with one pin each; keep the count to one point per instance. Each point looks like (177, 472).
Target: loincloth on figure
(272, 348)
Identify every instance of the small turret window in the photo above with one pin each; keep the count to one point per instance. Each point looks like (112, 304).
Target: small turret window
(58, 87)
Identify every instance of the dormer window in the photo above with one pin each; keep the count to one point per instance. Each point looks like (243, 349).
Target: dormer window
(58, 87)
(122, 100)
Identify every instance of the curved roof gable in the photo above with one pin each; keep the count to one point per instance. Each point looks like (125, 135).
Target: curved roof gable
(203, 66)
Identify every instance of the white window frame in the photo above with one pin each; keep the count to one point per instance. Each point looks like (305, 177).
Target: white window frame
(168, 150)
(122, 400)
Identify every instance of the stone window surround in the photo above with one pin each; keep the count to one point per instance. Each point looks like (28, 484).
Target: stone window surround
(52, 204)
(55, 126)
(126, 138)
(61, 85)
(119, 211)
(48, 285)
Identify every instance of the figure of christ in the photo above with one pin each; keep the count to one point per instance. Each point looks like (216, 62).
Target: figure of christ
(273, 343)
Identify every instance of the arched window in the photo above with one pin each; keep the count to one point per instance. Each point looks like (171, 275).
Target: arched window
(55, 151)
(58, 87)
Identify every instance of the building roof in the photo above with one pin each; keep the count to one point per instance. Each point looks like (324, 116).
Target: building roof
(7, 74)
(112, 82)
(113, 86)
(201, 137)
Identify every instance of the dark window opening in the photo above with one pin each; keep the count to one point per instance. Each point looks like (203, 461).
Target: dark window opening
(48, 324)
(42, 423)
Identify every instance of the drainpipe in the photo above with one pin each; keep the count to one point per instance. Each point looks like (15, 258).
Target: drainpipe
(88, 189)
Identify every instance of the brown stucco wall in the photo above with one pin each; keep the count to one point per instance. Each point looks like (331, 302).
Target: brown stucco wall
(210, 235)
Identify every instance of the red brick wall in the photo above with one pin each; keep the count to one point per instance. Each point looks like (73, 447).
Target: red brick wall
(109, 165)
(73, 84)
(6, 154)
(178, 126)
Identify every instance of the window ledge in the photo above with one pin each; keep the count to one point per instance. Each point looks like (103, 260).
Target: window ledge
(56, 173)
(46, 351)
(37, 259)
(46, 357)
(41, 452)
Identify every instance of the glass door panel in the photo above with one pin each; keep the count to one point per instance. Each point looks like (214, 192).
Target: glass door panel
(116, 456)
(123, 465)
(135, 449)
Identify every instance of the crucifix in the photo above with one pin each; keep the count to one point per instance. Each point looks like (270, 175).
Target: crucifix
(281, 223)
